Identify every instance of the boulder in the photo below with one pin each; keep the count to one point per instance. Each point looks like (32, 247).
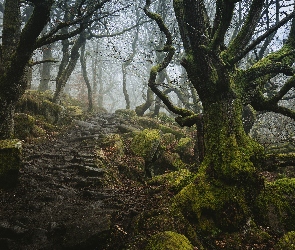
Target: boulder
(10, 162)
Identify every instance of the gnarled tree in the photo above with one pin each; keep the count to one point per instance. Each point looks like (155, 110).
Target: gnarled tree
(228, 179)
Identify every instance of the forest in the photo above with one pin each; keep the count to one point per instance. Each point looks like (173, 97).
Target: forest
(147, 124)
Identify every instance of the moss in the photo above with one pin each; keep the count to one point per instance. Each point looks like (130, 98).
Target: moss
(24, 125)
(185, 147)
(230, 153)
(287, 242)
(213, 206)
(146, 143)
(74, 111)
(167, 139)
(155, 124)
(39, 103)
(113, 146)
(125, 113)
(169, 241)
(275, 205)
(175, 180)
(10, 162)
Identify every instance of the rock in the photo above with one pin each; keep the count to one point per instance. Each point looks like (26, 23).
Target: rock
(169, 240)
(10, 162)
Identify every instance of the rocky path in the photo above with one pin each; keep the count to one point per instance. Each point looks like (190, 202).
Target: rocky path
(60, 202)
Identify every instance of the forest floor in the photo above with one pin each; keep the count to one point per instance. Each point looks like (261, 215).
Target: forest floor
(75, 192)
(64, 201)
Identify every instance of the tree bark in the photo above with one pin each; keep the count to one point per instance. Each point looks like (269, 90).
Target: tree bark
(67, 71)
(86, 79)
(45, 68)
(16, 51)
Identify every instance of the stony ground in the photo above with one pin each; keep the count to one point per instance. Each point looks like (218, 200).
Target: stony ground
(64, 201)
(77, 192)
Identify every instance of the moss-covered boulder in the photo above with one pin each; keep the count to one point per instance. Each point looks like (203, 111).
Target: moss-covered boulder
(112, 145)
(150, 123)
(167, 161)
(146, 145)
(287, 242)
(275, 205)
(185, 148)
(125, 113)
(10, 162)
(169, 240)
(26, 126)
(175, 180)
(39, 103)
(213, 206)
(75, 112)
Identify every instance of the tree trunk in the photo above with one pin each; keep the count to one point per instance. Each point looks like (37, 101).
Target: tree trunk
(6, 118)
(230, 154)
(66, 72)
(45, 69)
(86, 79)
(125, 92)
(16, 50)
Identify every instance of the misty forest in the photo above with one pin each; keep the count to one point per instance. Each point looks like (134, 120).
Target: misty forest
(147, 124)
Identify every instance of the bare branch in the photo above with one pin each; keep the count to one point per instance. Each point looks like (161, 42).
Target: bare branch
(162, 65)
(118, 33)
(223, 17)
(246, 32)
(270, 31)
(43, 61)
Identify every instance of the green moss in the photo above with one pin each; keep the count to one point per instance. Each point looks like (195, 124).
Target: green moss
(169, 241)
(213, 206)
(113, 146)
(74, 111)
(125, 113)
(39, 103)
(10, 162)
(276, 205)
(24, 125)
(185, 147)
(175, 180)
(230, 153)
(146, 143)
(287, 242)
(167, 139)
(155, 124)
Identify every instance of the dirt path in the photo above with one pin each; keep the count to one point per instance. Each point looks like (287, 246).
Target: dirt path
(61, 202)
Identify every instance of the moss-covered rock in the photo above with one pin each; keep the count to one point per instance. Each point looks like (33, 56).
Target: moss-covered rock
(185, 148)
(166, 162)
(39, 103)
(213, 206)
(275, 205)
(113, 146)
(74, 112)
(175, 180)
(156, 124)
(146, 143)
(169, 240)
(24, 125)
(287, 242)
(126, 113)
(10, 162)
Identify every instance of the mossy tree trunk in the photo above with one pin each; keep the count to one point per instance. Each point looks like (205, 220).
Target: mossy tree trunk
(16, 51)
(231, 158)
